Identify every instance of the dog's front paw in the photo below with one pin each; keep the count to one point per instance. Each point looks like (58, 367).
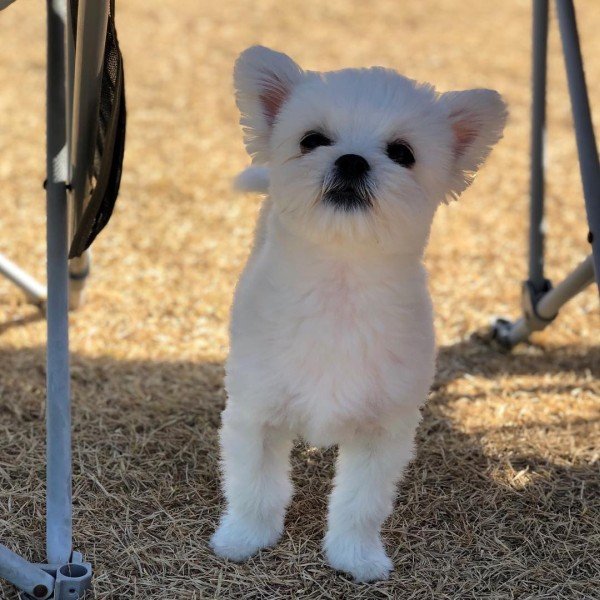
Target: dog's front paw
(365, 560)
(238, 539)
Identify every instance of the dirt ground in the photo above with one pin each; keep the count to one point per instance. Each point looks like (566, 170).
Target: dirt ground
(503, 498)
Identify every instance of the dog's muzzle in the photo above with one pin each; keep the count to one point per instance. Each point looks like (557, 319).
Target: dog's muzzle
(348, 188)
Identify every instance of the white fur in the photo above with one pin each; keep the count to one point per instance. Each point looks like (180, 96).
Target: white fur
(332, 330)
(253, 179)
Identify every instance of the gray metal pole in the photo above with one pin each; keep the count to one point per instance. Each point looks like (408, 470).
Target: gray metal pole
(58, 405)
(538, 132)
(575, 282)
(584, 129)
(25, 576)
(35, 291)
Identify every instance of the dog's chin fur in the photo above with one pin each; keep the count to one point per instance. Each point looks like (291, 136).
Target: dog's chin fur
(332, 329)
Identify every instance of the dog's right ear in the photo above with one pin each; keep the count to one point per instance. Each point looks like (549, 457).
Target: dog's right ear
(263, 81)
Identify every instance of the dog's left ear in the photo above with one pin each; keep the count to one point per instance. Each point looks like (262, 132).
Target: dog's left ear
(477, 119)
(263, 81)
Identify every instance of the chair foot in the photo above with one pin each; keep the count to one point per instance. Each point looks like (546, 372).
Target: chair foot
(71, 580)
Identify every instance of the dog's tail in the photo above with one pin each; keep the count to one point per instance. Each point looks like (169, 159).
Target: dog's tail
(253, 179)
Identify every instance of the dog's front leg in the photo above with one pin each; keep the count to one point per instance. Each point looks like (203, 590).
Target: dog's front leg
(257, 486)
(362, 498)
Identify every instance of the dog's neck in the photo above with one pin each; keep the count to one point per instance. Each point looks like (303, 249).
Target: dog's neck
(301, 258)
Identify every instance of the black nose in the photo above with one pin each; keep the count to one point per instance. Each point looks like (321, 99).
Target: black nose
(351, 166)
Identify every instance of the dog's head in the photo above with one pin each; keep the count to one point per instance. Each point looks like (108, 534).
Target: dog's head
(361, 156)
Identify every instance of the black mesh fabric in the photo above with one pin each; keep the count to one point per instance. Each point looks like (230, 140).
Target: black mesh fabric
(110, 141)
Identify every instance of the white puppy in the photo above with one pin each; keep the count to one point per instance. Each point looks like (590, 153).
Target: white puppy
(332, 330)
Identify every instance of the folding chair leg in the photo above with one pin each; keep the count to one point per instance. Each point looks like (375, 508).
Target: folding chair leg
(540, 311)
(73, 88)
(79, 269)
(58, 405)
(538, 130)
(65, 575)
(43, 581)
(35, 291)
(584, 128)
(27, 577)
(540, 302)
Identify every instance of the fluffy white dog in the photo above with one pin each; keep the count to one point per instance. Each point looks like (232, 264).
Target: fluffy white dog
(332, 331)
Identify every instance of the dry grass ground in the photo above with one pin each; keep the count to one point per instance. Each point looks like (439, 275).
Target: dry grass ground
(503, 498)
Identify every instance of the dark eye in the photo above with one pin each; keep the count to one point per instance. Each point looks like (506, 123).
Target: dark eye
(400, 152)
(312, 140)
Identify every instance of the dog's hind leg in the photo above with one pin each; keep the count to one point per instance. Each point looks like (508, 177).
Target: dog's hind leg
(362, 498)
(257, 486)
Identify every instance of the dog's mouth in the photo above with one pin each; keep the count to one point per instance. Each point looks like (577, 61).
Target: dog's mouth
(348, 198)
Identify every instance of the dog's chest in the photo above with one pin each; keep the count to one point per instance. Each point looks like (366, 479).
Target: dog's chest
(345, 347)
(336, 324)
(329, 348)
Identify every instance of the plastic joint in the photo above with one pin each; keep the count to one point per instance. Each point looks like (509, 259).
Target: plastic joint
(71, 580)
(509, 333)
(530, 297)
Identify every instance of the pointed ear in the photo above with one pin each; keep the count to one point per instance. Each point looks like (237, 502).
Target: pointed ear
(263, 81)
(477, 118)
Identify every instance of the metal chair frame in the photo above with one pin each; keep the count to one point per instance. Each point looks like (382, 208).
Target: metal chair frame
(540, 300)
(74, 75)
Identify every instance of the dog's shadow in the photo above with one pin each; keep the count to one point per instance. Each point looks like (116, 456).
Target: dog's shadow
(473, 519)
